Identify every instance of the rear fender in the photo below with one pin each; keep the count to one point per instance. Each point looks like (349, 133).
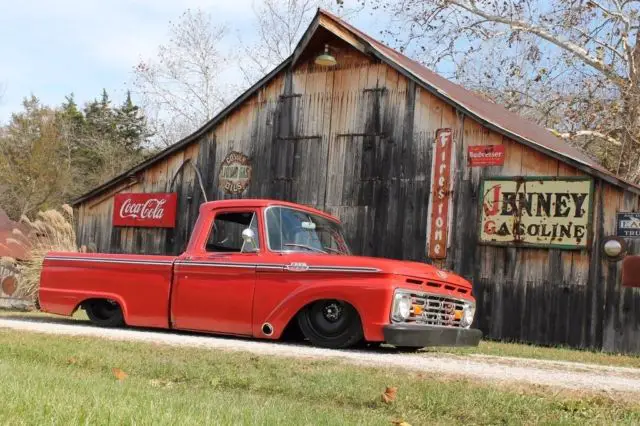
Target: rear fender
(66, 302)
(109, 296)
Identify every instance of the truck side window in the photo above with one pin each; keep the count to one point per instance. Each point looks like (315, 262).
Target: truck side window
(226, 232)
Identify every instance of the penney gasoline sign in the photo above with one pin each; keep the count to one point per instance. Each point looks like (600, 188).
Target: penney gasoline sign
(536, 211)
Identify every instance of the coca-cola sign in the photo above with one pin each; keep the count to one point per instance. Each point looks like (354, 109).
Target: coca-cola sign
(157, 210)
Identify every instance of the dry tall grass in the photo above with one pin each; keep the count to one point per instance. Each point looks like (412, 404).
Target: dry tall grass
(52, 230)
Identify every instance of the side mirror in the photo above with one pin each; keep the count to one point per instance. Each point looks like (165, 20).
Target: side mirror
(249, 238)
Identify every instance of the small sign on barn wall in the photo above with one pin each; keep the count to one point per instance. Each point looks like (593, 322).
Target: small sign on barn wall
(538, 211)
(440, 200)
(151, 210)
(628, 225)
(235, 173)
(485, 155)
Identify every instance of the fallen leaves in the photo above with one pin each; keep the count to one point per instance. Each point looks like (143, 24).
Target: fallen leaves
(389, 394)
(119, 374)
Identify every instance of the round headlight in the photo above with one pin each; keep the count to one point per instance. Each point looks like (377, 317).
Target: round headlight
(468, 312)
(401, 307)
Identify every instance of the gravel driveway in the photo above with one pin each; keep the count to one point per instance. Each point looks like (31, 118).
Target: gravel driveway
(524, 371)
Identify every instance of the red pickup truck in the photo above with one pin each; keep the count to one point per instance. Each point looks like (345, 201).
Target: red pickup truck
(259, 268)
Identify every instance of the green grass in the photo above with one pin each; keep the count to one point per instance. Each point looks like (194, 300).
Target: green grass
(69, 380)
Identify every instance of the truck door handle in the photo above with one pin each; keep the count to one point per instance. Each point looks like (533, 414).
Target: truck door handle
(297, 267)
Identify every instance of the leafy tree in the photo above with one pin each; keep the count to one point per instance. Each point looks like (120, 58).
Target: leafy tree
(570, 65)
(49, 156)
(34, 164)
(181, 88)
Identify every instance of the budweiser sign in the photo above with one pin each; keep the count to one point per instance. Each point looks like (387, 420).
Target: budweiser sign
(486, 155)
(145, 210)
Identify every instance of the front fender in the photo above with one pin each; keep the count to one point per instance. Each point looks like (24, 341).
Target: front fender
(372, 302)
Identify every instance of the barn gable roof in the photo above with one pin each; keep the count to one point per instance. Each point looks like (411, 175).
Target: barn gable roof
(493, 116)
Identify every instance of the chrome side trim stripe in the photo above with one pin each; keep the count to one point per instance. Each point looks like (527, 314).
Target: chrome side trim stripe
(278, 266)
(116, 261)
(218, 264)
(269, 266)
(343, 268)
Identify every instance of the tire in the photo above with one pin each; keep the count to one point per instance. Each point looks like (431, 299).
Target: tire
(104, 313)
(331, 324)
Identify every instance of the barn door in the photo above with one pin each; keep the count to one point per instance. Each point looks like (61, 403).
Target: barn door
(300, 145)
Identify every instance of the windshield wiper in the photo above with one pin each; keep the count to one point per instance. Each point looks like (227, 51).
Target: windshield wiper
(306, 247)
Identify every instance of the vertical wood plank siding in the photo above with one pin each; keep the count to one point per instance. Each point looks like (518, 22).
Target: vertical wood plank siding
(356, 140)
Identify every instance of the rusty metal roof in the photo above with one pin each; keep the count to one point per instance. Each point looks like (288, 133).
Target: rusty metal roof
(491, 115)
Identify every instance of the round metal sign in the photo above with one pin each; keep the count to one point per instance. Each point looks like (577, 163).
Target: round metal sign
(9, 285)
(235, 173)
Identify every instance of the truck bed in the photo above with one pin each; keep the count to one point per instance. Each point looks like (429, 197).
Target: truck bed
(141, 284)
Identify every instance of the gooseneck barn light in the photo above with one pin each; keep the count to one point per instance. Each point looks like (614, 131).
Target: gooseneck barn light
(615, 248)
(326, 59)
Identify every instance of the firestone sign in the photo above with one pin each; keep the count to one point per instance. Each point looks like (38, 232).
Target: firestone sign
(440, 202)
(156, 210)
(536, 211)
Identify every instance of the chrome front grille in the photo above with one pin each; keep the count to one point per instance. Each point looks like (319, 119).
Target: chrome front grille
(432, 309)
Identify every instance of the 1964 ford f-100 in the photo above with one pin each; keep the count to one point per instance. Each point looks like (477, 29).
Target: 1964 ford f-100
(260, 267)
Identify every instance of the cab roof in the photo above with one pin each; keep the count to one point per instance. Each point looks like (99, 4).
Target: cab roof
(261, 203)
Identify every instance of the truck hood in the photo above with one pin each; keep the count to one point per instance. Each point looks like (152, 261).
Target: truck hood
(404, 268)
(413, 269)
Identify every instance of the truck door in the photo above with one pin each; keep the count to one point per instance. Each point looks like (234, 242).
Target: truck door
(213, 289)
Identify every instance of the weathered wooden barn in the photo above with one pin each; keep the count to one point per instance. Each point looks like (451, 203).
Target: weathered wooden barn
(409, 161)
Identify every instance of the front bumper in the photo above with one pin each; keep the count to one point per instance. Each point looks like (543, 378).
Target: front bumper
(419, 335)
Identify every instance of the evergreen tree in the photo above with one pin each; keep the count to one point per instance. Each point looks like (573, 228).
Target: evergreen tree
(49, 156)
(70, 112)
(131, 125)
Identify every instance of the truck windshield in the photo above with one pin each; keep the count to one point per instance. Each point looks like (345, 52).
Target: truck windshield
(296, 230)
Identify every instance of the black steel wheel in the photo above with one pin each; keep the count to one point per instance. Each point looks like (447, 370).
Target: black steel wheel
(331, 324)
(104, 313)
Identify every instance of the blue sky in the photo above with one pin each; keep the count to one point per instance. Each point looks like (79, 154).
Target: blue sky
(54, 47)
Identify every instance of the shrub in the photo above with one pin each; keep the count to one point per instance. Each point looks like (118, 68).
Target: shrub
(52, 230)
